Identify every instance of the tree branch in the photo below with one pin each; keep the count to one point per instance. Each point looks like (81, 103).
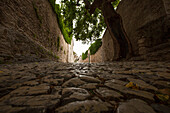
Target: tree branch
(87, 4)
(92, 7)
(110, 0)
(95, 4)
(78, 3)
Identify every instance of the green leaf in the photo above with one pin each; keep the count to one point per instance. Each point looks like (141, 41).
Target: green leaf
(162, 97)
(1, 71)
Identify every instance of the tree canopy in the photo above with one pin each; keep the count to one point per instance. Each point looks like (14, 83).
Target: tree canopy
(86, 27)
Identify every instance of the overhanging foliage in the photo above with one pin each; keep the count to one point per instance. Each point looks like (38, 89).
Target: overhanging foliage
(87, 27)
(64, 29)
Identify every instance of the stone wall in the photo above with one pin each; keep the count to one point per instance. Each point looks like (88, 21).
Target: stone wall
(70, 52)
(97, 57)
(29, 29)
(167, 22)
(107, 47)
(105, 52)
(146, 23)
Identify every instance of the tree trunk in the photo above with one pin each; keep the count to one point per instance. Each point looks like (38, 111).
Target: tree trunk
(114, 24)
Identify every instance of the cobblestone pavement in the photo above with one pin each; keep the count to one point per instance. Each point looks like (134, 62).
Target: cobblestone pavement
(120, 87)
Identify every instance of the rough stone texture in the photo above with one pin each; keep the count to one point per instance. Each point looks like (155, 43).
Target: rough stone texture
(97, 57)
(129, 91)
(88, 106)
(147, 24)
(107, 47)
(161, 108)
(74, 82)
(29, 31)
(148, 30)
(89, 79)
(89, 86)
(142, 84)
(109, 93)
(135, 106)
(105, 52)
(49, 87)
(74, 94)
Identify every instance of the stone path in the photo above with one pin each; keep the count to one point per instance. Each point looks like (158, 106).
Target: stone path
(52, 87)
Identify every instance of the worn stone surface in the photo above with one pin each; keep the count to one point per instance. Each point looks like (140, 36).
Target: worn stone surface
(105, 52)
(129, 91)
(148, 29)
(135, 106)
(89, 86)
(29, 31)
(142, 84)
(48, 86)
(161, 108)
(88, 106)
(109, 93)
(74, 82)
(74, 94)
(89, 79)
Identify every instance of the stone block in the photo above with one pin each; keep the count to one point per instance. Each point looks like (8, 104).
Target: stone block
(142, 50)
(141, 41)
(149, 19)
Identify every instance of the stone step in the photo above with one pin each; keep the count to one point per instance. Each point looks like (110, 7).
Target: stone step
(160, 47)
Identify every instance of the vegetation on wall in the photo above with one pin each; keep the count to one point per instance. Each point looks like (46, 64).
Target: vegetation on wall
(116, 3)
(46, 52)
(64, 29)
(35, 36)
(84, 55)
(37, 13)
(93, 48)
(58, 43)
(88, 27)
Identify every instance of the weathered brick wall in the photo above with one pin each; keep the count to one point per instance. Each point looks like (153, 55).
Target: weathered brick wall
(144, 20)
(97, 57)
(105, 52)
(107, 47)
(147, 24)
(28, 28)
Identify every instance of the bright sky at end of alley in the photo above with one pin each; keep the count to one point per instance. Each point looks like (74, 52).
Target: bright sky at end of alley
(79, 48)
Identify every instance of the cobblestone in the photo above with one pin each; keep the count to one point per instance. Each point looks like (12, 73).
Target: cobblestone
(48, 87)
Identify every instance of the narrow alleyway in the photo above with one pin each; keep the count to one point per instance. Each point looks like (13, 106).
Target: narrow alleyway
(121, 87)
